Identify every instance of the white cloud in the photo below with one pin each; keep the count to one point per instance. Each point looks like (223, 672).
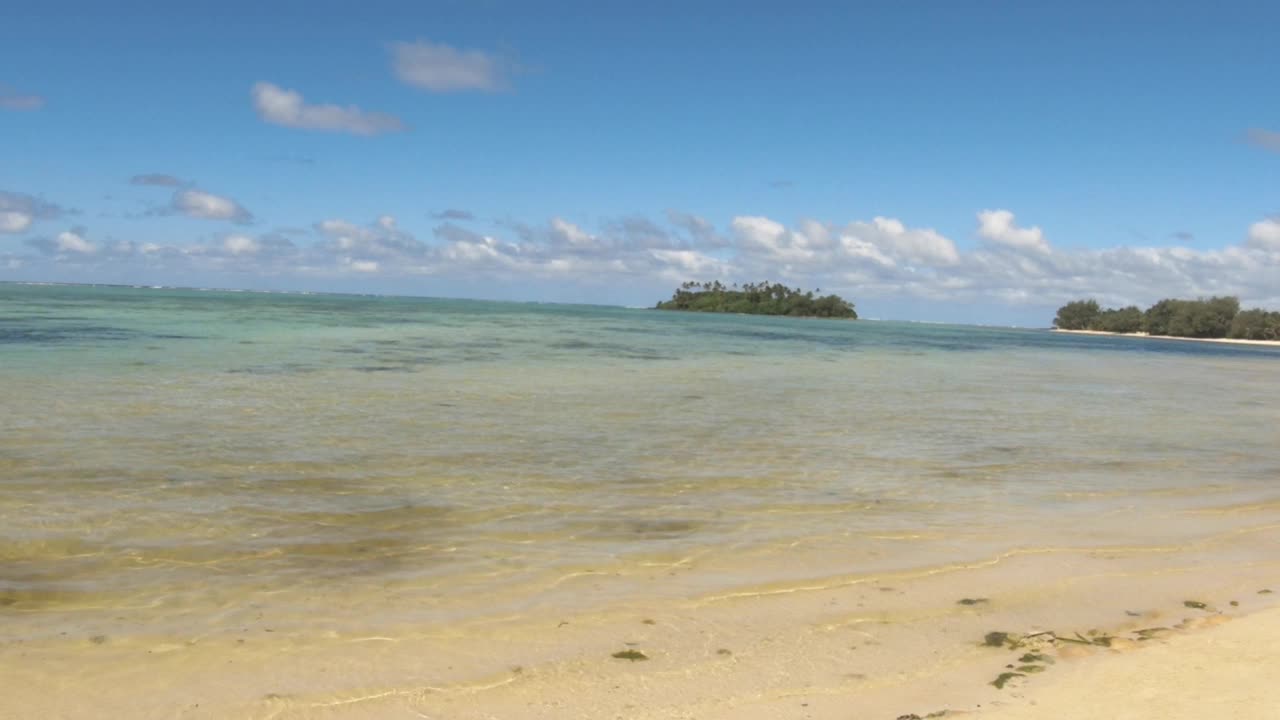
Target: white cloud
(381, 240)
(999, 227)
(573, 236)
(766, 247)
(912, 246)
(691, 263)
(11, 99)
(206, 205)
(441, 68)
(1265, 235)
(73, 242)
(241, 245)
(288, 108)
(880, 258)
(14, 221)
(19, 211)
(760, 233)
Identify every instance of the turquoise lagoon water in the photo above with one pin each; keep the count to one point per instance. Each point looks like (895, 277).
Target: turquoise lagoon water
(182, 463)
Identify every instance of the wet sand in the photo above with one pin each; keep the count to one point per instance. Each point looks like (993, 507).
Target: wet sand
(885, 644)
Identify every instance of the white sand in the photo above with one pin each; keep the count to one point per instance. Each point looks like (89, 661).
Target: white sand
(1228, 341)
(1229, 671)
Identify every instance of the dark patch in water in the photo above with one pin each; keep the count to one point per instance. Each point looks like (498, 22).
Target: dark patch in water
(662, 529)
(284, 369)
(63, 335)
(610, 350)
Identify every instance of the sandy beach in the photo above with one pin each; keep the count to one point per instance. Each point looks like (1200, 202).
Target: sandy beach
(1227, 341)
(1224, 671)
(1109, 632)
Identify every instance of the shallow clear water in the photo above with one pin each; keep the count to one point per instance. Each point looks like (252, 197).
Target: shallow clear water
(178, 459)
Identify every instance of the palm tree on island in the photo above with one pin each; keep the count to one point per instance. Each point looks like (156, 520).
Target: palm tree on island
(763, 298)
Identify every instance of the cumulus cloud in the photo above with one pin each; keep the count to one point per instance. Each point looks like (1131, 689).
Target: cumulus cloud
(367, 247)
(208, 206)
(71, 241)
(686, 264)
(878, 246)
(156, 179)
(880, 258)
(885, 258)
(241, 245)
(11, 99)
(14, 221)
(571, 236)
(19, 211)
(441, 68)
(700, 230)
(999, 227)
(1264, 139)
(1265, 235)
(66, 244)
(279, 106)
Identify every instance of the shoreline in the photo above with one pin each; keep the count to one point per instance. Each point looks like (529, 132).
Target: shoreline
(890, 644)
(1223, 341)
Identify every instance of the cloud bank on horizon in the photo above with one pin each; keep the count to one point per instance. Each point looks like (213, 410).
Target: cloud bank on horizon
(1013, 264)
(390, 123)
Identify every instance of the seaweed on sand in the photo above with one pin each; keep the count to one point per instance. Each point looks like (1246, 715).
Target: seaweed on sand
(1003, 678)
(632, 655)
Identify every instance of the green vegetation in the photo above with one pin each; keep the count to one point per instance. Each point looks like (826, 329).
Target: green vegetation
(757, 299)
(1215, 317)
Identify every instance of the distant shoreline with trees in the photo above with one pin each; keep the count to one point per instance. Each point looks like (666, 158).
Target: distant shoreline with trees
(757, 299)
(1215, 319)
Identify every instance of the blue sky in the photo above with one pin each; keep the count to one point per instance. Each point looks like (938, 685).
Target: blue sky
(931, 160)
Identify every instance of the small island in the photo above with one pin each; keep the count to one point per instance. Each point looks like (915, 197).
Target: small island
(1215, 318)
(757, 299)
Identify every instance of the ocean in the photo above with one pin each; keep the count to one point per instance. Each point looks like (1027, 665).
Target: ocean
(233, 504)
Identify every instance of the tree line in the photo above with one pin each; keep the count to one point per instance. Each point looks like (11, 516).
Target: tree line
(1215, 317)
(757, 299)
